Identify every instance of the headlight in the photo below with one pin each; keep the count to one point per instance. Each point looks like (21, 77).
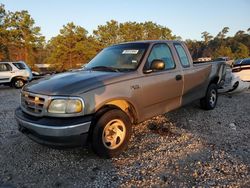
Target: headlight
(65, 106)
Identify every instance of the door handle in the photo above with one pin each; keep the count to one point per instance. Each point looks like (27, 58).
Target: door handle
(178, 77)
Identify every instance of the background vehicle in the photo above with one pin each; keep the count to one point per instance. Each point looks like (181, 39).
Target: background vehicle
(123, 85)
(241, 68)
(14, 74)
(233, 84)
(222, 59)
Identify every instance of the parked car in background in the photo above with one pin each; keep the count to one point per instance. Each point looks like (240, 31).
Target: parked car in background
(241, 68)
(233, 83)
(37, 75)
(221, 59)
(14, 74)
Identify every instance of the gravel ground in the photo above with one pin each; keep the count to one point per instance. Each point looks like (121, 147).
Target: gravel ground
(184, 148)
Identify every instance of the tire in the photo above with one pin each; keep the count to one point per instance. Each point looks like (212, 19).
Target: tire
(18, 83)
(210, 100)
(111, 134)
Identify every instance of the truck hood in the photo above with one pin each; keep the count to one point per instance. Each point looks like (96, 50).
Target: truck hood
(72, 83)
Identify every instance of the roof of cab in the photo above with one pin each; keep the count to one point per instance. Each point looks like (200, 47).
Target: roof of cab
(147, 42)
(150, 41)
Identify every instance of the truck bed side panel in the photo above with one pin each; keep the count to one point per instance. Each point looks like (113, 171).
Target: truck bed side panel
(195, 83)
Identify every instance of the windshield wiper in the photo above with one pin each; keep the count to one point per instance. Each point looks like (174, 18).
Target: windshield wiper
(105, 68)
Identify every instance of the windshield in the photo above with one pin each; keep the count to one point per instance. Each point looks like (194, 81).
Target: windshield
(121, 57)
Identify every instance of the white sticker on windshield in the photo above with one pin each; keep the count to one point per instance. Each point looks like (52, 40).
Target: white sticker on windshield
(130, 51)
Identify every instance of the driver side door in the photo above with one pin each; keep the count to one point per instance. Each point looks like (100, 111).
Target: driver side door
(160, 90)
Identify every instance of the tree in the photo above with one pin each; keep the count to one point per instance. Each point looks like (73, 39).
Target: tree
(22, 38)
(222, 33)
(131, 31)
(153, 31)
(71, 48)
(114, 32)
(223, 51)
(206, 36)
(242, 51)
(108, 34)
(239, 33)
(3, 49)
(195, 48)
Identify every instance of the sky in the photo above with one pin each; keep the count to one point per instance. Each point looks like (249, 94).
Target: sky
(186, 18)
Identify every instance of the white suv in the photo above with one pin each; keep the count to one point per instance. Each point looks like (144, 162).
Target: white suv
(14, 74)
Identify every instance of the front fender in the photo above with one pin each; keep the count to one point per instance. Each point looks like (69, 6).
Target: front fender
(114, 94)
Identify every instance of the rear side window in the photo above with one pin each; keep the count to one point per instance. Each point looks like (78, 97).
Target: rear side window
(20, 66)
(162, 52)
(246, 62)
(5, 67)
(182, 55)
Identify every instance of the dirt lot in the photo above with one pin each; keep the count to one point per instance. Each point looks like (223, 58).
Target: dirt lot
(185, 148)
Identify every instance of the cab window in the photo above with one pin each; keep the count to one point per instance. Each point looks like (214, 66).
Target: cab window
(162, 52)
(20, 66)
(5, 67)
(182, 55)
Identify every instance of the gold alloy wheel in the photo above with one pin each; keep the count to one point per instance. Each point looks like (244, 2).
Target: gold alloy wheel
(113, 134)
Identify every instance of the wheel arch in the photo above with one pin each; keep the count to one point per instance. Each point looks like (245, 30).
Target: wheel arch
(121, 104)
(214, 80)
(18, 77)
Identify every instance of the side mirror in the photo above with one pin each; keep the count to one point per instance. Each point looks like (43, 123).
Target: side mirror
(157, 65)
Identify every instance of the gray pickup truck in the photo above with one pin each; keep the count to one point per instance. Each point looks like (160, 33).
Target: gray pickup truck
(123, 85)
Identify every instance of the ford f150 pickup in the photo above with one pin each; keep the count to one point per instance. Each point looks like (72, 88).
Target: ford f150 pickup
(123, 85)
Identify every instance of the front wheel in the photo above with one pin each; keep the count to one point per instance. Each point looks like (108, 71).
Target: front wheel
(210, 100)
(111, 134)
(18, 83)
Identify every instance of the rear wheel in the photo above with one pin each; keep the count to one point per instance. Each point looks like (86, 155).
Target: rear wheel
(111, 133)
(210, 100)
(18, 83)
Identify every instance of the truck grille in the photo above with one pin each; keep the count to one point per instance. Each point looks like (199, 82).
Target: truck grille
(32, 103)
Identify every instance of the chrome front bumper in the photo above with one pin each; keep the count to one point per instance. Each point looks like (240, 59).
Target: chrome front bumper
(50, 131)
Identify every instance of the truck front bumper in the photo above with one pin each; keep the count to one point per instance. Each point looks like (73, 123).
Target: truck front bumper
(54, 131)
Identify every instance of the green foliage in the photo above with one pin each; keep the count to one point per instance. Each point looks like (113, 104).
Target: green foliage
(2, 32)
(234, 47)
(222, 33)
(206, 36)
(223, 51)
(242, 51)
(114, 32)
(73, 47)
(20, 39)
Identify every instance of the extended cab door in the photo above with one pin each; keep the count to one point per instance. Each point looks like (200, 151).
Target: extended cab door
(194, 78)
(5, 72)
(160, 90)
